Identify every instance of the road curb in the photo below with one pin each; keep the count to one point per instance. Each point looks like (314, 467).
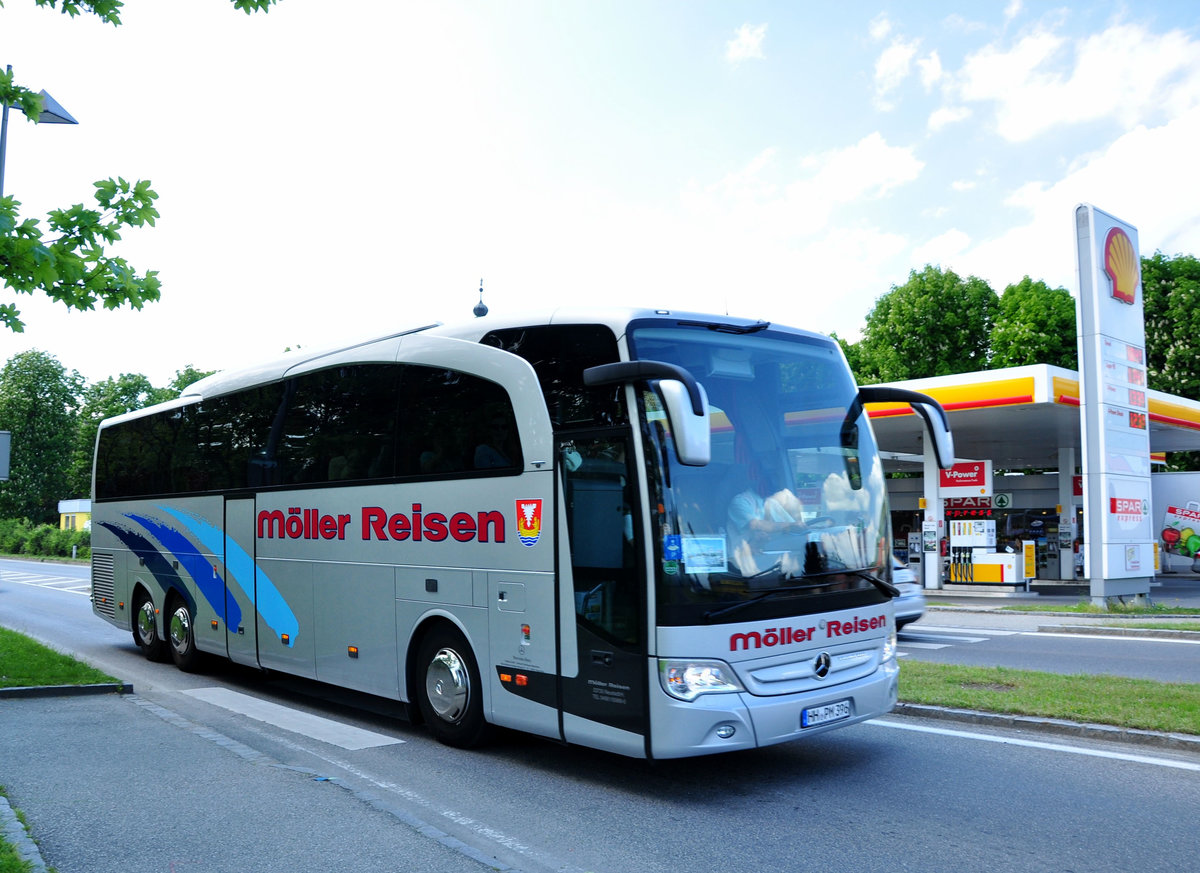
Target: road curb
(13, 831)
(65, 690)
(1056, 726)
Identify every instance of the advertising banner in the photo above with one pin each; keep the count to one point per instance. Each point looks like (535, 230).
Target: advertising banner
(1178, 496)
(966, 479)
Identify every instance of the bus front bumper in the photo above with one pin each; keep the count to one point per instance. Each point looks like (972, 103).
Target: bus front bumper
(727, 722)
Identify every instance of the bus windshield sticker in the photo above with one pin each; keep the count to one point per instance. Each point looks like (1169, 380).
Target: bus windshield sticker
(704, 555)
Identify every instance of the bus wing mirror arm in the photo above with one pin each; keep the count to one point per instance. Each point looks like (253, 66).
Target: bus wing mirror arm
(937, 424)
(684, 398)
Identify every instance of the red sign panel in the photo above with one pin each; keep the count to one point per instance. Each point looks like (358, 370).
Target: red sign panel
(972, 474)
(1125, 506)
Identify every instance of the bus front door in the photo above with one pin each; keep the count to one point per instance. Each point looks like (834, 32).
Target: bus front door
(604, 702)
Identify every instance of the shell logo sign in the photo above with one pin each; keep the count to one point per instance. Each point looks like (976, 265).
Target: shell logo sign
(1121, 265)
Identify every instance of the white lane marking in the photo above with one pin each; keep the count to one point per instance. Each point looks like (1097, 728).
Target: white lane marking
(943, 629)
(314, 726)
(909, 644)
(1036, 744)
(70, 584)
(1120, 637)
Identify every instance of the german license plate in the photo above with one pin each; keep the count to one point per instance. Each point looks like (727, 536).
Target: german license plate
(824, 714)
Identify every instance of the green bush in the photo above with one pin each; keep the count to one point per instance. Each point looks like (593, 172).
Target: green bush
(20, 537)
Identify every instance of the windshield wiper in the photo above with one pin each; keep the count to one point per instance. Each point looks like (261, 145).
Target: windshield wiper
(766, 595)
(885, 587)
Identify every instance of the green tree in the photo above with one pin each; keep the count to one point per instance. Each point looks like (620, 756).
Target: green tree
(184, 378)
(38, 404)
(1035, 325)
(70, 264)
(1171, 295)
(934, 324)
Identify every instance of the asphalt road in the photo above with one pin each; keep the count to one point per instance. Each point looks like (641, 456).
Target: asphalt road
(172, 778)
(957, 638)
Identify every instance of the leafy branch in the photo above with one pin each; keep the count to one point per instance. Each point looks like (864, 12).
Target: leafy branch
(73, 267)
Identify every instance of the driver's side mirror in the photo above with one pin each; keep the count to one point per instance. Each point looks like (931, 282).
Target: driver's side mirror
(937, 425)
(684, 398)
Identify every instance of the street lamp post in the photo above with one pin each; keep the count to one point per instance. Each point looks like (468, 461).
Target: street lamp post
(52, 113)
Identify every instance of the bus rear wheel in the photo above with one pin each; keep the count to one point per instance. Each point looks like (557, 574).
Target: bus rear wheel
(181, 632)
(145, 629)
(449, 689)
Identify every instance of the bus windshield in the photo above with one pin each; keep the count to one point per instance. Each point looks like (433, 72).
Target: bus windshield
(790, 515)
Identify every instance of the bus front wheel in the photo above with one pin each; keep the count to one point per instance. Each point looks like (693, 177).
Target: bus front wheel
(145, 629)
(449, 689)
(181, 632)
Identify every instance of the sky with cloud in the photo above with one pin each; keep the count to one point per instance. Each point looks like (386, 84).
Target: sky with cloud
(333, 171)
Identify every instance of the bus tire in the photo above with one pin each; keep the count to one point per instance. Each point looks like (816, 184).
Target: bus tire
(449, 689)
(181, 634)
(145, 629)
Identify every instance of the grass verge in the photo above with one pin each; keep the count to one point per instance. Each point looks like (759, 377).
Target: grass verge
(24, 662)
(1111, 700)
(10, 860)
(1086, 607)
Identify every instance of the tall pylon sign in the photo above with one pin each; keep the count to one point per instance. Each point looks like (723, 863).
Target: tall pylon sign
(1114, 416)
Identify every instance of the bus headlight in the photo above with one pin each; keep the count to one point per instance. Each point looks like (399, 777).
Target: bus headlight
(687, 680)
(889, 646)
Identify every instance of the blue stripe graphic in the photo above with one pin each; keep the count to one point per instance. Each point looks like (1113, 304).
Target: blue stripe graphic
(198, 566)
(238, 564)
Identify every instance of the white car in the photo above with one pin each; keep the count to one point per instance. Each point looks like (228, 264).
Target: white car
(910, 605)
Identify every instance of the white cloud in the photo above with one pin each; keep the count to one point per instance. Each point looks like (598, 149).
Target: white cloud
(891, 69)
(931, 70)
(941, 249)
(947, 115)
(746, 44)
(869, 168)
(1012, 10)
(1141, 177)
(1124, 73)
(767, 204)
(963, 184)
(879, 27)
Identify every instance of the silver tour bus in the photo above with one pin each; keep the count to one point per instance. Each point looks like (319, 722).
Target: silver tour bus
(660, 534)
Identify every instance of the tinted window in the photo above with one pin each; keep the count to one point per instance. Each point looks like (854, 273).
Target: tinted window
(340, 424)
(454, 423)
(364, 422)
(559, 355)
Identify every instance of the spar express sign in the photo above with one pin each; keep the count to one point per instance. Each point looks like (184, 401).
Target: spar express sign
(418, 524)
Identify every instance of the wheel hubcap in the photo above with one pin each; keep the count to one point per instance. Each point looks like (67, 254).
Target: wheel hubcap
(181, 629)
(448, 685)
(145, 622)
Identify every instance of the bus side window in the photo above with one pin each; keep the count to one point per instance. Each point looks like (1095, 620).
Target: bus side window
(455, 422)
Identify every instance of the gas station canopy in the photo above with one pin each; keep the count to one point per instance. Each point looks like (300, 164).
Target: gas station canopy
(1019, 418)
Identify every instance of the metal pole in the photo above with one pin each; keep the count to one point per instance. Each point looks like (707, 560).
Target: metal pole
(4, 139)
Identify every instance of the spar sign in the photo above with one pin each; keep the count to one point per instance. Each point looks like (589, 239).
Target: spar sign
(966, 479)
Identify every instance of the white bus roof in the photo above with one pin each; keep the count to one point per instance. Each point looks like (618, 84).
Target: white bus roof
(225, 381)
